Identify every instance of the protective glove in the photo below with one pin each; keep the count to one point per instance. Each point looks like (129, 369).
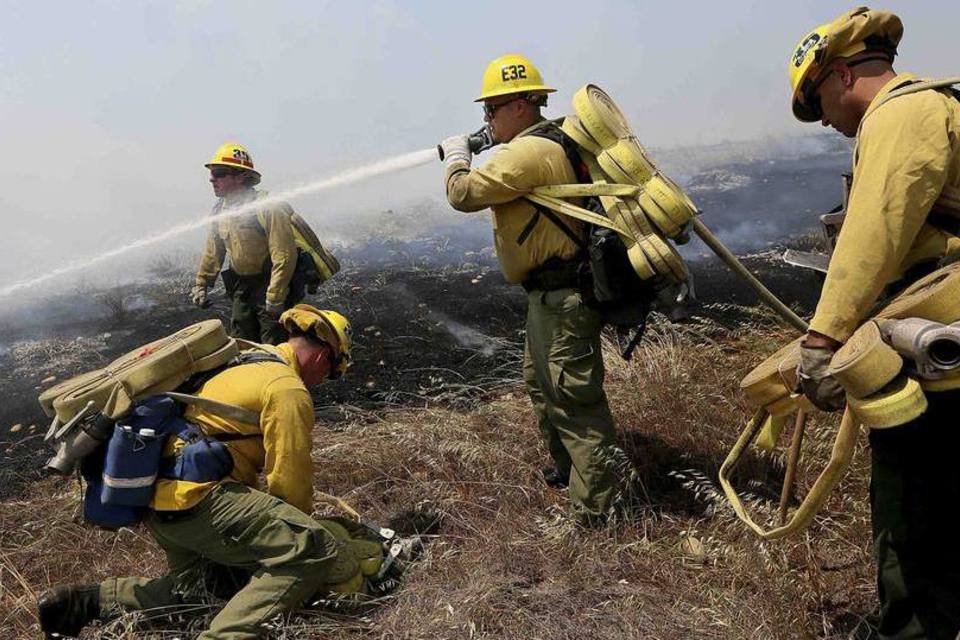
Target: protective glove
(821, 389)
(456, 149)
(199, 296)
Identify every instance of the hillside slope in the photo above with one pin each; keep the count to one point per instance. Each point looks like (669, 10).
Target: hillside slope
(502, 561)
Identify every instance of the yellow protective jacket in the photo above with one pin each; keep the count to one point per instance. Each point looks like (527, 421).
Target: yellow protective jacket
(514, 170)
(252, 247)
(907, 155)
(282, 453)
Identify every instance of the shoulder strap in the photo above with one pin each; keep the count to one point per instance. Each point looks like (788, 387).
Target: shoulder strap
(550, 129)
(552, 217)
(915, 87)
(222, 409)
(249, 356)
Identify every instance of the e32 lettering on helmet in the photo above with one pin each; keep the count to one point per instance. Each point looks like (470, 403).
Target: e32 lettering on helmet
(240, 154)
(513, 72)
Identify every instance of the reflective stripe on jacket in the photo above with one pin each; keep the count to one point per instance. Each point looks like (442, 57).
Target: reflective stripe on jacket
(908, 151)
(516, 169)
(251, 246)
(277, 393)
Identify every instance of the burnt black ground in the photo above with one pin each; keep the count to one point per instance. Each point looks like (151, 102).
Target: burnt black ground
(424, 333)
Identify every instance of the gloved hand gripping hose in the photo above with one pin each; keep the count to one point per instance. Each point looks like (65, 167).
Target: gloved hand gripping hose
(478, 142)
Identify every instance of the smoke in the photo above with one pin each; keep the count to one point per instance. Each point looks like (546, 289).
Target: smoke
(390, 165)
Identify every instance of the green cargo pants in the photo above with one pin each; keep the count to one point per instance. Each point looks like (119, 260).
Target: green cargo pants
(249, 318)
(914, 494)
(563, 371)
(285, 552)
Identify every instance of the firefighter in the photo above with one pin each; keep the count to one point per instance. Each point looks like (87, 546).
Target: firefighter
(563, 365)
(262, 277)
(897, 228)
(226, 536)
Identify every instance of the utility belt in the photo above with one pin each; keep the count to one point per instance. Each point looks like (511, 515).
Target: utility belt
(555, 274)
(253, 287)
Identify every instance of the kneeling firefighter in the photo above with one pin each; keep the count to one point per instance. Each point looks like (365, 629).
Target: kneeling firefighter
(902, 221)
(545, 253)
(219, 532)
(274, 255)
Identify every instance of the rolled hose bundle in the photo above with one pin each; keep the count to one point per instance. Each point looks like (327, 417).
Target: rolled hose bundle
(157, 367)
(774, 379)
(933, 297)
(897, 403)
(865, 363)
(901, 400)
(600, 116)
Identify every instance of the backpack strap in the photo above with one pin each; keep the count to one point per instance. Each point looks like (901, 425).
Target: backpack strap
(916, 86)
(550, 129)
(222, 409)
(552, 217)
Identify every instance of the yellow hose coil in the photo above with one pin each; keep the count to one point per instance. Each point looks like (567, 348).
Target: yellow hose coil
(675, 269)
(670, 199)
(789, 404)
(947, 383)
(574, 128)
(865, 364)
(660, 218)
(900, 402)
(600, 116)
(639, 261)
(933, 297)
(773, 379)
(826, 482)
(632, 158)
(154, 368)
(770, 431)
(613, 170)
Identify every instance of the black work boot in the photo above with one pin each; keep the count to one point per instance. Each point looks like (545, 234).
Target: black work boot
(65, 611)
(555, 478)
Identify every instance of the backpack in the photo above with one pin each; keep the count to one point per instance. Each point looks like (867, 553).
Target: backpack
(320, 265)
(636, 200)
(114, 422)
(631, 209)
(608, 282)
(86, 408)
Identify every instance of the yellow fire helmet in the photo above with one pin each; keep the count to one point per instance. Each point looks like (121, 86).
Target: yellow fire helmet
(329, 326)
(858, 30)
(512, 73)
(235, 155)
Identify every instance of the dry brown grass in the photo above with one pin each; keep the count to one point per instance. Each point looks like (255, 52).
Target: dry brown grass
(505, 562)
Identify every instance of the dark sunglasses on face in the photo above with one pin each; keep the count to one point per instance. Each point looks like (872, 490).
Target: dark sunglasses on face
(222, 172)
(490, 110)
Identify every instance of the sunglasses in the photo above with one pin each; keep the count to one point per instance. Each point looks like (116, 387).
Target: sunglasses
(490, 110)
(222, 172)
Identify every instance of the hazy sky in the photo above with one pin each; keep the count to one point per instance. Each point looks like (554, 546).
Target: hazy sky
(109, 109)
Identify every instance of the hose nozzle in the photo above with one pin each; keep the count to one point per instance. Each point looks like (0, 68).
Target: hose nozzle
(478, 142)
(932, 347)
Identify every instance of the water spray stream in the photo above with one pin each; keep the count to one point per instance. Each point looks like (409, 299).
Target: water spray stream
(390, 165)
